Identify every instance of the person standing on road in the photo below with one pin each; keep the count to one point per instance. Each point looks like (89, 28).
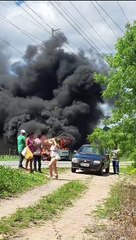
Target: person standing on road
(37, 154)
(21, 143)
(54, 153)
(115, 160)
(30, 144)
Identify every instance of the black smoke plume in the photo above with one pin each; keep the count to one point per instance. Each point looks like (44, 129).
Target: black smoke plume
(54, 93)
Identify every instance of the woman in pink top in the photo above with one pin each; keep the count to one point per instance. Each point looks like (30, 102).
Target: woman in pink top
(30, 144)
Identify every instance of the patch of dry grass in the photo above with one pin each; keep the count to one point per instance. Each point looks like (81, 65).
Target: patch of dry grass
(124, 224)
(116, 219)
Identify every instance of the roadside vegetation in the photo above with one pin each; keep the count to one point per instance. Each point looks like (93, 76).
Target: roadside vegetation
(120, 89)
(9, 158)
(14, 181)
(119, 210)
(129, 170)
(120, 131)
(47, 208)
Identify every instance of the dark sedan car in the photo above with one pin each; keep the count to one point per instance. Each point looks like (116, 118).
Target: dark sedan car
(90, 158)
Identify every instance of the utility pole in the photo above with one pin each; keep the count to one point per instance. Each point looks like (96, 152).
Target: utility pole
(54, 30)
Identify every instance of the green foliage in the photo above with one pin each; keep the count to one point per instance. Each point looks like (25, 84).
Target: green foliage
(13, 181)
(101, 139)
(121, 86)
(9, 158)
(120, 208)
(46, 209)
(113, 204)
(129, 170)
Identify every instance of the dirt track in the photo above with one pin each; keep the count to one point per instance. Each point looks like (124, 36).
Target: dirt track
(29, 198)
(73, 221)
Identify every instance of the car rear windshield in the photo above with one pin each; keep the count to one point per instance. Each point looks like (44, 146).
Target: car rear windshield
(89, 149)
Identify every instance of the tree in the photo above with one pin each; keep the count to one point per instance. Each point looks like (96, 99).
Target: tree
(121, 86)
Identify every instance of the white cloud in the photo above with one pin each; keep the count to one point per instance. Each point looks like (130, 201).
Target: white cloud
(55, 20)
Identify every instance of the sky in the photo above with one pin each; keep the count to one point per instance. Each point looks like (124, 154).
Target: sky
(91, 28)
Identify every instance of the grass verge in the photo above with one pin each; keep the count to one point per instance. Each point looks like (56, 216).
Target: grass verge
(120, 209)
(46, 209)
(14, 181)
(113, 204)
(129, 170)
(9, 158)
(118, 195)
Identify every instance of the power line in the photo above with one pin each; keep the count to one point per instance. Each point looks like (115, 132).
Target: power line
(104, 19)
(65, 11)
(40, 18)
(47, 25)
(43, 27)
(39, 26)
(21, 15)
(68, 13)
(43, 17)
(87, 40)
(24, 32)
(89, 24)
(37, 14)
(73, 26)
(110, 17)
(16, 49)
(49, 31)
(123, 11)
(83, 28)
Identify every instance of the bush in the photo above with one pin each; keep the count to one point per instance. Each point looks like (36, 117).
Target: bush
(13, 181)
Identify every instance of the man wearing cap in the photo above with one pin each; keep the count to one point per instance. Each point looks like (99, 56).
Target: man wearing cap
(21, 143)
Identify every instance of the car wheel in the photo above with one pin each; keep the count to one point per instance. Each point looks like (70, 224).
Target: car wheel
(73, 170)
(107, 169)
(100, 172)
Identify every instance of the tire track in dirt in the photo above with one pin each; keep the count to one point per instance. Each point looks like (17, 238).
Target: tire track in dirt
(10, 206)
(71, 224)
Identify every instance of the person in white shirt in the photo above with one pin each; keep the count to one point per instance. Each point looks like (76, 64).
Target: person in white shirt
(54, 154)
(115, 160)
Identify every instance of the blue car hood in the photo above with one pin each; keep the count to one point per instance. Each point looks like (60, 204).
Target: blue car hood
(88, 156)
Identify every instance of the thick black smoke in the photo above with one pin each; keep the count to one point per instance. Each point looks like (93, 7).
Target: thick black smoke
(54, 94)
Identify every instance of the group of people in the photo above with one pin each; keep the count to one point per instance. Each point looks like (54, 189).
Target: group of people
(51, 147)
(35, 145)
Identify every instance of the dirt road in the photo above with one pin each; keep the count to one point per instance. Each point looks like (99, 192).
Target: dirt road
(9, 206)
(73, 222)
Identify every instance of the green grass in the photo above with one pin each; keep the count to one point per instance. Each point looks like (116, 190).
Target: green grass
(113, 203)
(125, 159)
(46, 209)
(118, 195)
(129, 170)
(9, 158)
(14, 181)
